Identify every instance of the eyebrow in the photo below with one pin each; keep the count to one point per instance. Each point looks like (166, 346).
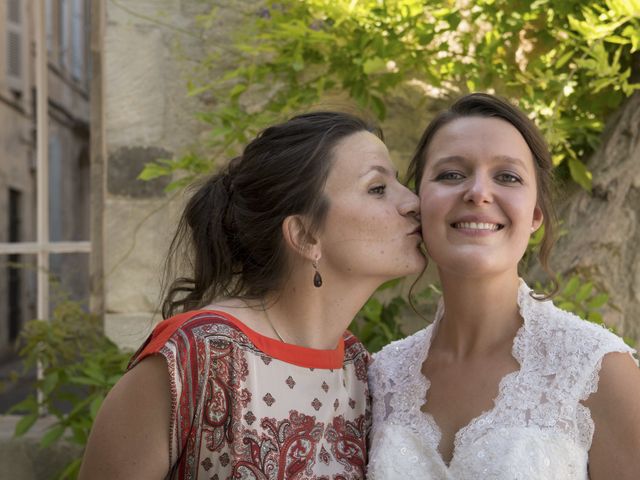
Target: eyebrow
(458, 158)
(381, 169)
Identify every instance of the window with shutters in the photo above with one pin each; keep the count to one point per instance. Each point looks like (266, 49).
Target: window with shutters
(14, 44)
(64, 19)
(49, 24)
(77, 39)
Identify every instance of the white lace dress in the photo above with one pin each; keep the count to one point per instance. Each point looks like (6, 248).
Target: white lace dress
(538, 428)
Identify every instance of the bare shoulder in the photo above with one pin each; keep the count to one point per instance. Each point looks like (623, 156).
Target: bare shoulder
(619, 379)
(130, 436)
(615, 410)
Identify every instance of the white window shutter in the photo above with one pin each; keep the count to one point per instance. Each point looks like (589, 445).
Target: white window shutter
(14, 45)
(65, 33)
(77, 39)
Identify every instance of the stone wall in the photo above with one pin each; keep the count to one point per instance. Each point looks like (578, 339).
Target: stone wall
(24, 458)
(148, 116)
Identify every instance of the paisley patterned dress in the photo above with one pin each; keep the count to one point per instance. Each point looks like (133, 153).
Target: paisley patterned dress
(245, 406)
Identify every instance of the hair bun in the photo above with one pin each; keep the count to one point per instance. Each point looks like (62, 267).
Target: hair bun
(227, 182)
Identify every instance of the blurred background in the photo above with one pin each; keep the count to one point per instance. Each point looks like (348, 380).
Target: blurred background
(109, 108)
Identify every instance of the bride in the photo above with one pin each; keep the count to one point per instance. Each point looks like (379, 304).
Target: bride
(503, 384)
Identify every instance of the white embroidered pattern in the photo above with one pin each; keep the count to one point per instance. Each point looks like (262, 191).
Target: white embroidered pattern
(537, 428)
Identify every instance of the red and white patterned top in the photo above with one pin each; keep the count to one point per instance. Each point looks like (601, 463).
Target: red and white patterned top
(246, 406)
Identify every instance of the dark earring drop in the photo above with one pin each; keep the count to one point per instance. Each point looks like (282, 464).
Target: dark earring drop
(317, 278)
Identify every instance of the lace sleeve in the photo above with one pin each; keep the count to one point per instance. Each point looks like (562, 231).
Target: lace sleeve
(395, 380)
(381, 387)
(604, 342)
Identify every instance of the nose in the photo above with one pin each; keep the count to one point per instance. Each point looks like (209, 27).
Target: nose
(410, 204)
(478, 190)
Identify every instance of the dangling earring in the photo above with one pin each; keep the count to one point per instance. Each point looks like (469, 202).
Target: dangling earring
(317, 278)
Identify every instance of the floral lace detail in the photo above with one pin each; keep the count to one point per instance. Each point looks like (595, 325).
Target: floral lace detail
(559, 355)
(396, 384)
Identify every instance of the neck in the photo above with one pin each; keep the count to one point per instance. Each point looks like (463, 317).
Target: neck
(481, 314)
(316, 317)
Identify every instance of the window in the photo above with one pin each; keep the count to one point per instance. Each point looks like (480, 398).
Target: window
(55, 188)
(14, 272)
(77, 39)
(49, 26)
(14, 45)
(64, 32)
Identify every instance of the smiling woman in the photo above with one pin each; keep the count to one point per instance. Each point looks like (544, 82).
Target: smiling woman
(252, 374)
(474, 162)
(503, 384)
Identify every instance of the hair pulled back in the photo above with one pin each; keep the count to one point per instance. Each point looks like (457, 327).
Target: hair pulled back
(489, 106)
(229, 238)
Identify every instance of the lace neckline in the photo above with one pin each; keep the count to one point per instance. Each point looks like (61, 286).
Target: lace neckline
(424, 421)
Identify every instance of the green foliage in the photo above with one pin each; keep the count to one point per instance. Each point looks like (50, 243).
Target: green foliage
(581, 296)
(379, 321)
(567, 62)
(187, 168)
(80, 365)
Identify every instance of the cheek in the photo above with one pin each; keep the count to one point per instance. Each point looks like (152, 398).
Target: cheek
(353, 224)
(432, 206)
(525, 209)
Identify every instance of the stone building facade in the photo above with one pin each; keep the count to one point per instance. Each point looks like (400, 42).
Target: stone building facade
(69, 165)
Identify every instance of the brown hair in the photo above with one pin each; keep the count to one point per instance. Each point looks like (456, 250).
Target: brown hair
(490, 106)
(230, 234)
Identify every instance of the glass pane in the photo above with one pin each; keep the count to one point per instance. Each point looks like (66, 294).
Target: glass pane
(77, 40)
(69, 273)
(17, 306)
(68, 188)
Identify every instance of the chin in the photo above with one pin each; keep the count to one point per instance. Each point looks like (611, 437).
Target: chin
(470, 268)
(416, 263)
(413, 266)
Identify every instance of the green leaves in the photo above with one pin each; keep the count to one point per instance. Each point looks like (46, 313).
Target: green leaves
(25, 424)
(52, 435)
(629, 8)
(582, 297)
(184, 168)
(80, 365)
(378, 323)
(580, 174)
(566, 62)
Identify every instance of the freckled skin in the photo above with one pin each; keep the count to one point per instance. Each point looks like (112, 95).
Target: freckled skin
(367, 231)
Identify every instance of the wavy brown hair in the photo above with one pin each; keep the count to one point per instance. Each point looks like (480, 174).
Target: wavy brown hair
(229, 240)
(490, 106)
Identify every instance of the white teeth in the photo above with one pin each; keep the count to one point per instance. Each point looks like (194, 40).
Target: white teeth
(477, 226)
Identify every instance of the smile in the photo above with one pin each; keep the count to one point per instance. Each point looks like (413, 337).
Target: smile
(478, 226)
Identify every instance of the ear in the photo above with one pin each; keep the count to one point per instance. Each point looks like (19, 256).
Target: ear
(297, 235)
(538, 218)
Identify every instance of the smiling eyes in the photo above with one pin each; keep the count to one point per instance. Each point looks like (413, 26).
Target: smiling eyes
(454, 176)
